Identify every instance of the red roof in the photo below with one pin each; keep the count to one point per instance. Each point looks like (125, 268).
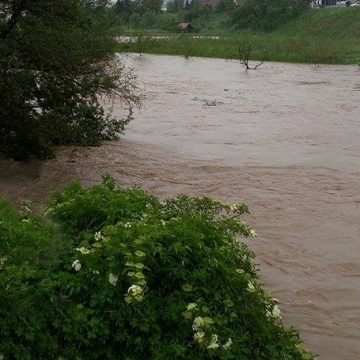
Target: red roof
(184, 25)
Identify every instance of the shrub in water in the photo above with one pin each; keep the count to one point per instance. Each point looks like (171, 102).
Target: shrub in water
(135, 278)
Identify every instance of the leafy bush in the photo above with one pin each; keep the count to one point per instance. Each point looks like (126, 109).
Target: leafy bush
(136, 278)
(24, 239)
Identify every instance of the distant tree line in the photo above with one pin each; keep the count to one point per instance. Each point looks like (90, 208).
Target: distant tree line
(256, 14)
(267, 14)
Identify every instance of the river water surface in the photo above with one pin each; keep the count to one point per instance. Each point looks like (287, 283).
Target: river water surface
(285, 139)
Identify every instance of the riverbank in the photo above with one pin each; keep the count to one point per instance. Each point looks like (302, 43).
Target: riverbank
(283, 139)
(327, 36)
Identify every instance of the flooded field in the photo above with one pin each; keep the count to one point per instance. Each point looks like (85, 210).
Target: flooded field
(284, 139)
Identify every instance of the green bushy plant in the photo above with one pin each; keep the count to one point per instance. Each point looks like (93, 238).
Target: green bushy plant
(24, 238)
(137, 278)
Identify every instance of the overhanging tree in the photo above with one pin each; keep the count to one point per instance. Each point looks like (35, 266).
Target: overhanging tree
(56, 62)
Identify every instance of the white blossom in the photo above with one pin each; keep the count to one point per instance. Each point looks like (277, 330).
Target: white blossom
(135, 292)
(227, 345)
(198, 323)
(239, 271)
(213, 342)
(276, 313)
(76, 265)
(98, 236)
(191, 306)
(251, 288)
(113, 279)
(139, 253)
(83, 250)
(252, 233)
(199, 336)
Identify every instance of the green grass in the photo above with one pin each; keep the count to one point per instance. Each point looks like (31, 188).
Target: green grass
(329, 36)
(339, 24)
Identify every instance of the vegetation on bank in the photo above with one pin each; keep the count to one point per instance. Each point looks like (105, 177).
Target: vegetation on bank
(316, 36)
(56, 62)
(118, 274)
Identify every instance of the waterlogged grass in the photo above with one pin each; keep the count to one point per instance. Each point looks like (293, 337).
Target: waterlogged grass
(320, 36)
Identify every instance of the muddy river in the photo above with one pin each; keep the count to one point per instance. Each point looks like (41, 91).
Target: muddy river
(285, 139)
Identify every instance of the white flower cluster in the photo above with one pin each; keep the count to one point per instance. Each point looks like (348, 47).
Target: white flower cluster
(98, 236)
(113, 279)
(274, 313)
(3, 260)
(213, 342)
(84, 251)
(234, 207)
(76, 265)
(191, 306)
(228, 344)
(199, 336)
(252, 233)
(251, 287)
(201, 325)
(134, 293)
(139, 253)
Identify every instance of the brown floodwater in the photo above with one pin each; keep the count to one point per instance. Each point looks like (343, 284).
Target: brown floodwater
(283, 138)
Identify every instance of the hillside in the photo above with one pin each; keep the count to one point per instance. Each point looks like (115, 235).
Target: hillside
(341, 23)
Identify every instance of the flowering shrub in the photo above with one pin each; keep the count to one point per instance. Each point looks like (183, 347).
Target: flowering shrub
(135, 278)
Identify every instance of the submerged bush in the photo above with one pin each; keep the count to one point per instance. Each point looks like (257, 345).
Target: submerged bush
(135, 278)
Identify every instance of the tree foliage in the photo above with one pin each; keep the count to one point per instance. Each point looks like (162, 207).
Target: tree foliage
(56, 61)
(267, 14)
